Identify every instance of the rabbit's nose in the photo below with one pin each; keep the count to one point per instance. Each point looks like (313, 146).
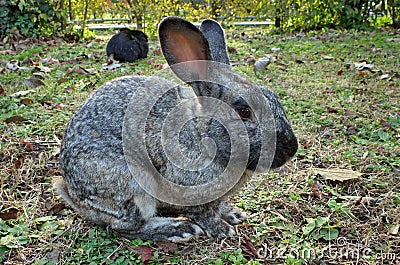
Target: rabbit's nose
(286, 147)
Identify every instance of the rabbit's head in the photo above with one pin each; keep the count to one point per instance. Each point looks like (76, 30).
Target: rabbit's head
(200, 58)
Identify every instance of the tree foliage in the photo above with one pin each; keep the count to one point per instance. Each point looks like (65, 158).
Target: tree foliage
(49, 16)
(32, 17)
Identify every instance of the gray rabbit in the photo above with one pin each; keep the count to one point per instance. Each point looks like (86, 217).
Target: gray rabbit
(99, 180)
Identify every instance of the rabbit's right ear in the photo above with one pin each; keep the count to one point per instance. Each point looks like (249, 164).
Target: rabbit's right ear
(214, 33)
(181, 41)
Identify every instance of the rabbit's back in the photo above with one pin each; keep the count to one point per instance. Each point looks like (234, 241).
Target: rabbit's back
(92, 157)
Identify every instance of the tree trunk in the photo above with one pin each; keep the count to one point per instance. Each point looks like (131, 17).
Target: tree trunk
(137, 13)
(70, 10)
(84, 17)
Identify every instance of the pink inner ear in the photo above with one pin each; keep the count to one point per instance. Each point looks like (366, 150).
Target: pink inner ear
(189, 46)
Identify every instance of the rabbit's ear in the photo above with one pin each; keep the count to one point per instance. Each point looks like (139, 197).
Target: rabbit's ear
(181, 41)
(214, 33)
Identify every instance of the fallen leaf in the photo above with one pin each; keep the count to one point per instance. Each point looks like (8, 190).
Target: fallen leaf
(328, 58)
(55, 209)
(15, 119)
(46, 103)
(386, 124)
(18, 163)
(28, 144)
(145, 253)
(8, 52)
(363, 65)
(61, 80)
(43, 69)
(33, 82)
(274, 49)
(2, 92)
(77, 70)
(53, 256)
(362, 73)
(50, 60)
(340, 72)
(393, 39)
(27, 61)
(22, 93)
(231, 49)
(26, 101)
(167, 247)
(11, 213)
(350, 113)
(12, 66)
(316, 190)
(338, 174)
(262, 63)
(352, 131)
(332, 110)
(329, 91)
(250, 247)
(385, 76)
(39, 75)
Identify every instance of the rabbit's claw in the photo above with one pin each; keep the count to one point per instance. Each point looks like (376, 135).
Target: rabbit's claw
(234, 216)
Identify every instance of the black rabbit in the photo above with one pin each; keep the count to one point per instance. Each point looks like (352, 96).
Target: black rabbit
(127, 46)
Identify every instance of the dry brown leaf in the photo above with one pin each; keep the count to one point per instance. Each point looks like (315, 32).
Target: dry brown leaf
(56, 209)
(145, 253)
(11, 213)
(250, 247)
(168, 247)
(18, 163)
(316, 190)
(15, 119)
(338, 174)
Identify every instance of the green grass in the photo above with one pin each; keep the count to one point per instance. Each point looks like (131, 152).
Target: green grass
(344, 119)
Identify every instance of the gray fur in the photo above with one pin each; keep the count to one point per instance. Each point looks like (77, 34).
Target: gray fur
(98, 183)
(215, 36)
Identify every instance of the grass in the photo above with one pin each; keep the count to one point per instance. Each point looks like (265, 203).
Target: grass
(344, 117)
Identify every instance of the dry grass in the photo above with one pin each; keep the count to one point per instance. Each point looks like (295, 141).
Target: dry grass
(344, 118)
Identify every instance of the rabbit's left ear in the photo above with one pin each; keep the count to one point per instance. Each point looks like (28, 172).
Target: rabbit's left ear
(216, 39)
(182, 42)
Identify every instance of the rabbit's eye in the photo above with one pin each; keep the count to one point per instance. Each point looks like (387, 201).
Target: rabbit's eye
(244, 113)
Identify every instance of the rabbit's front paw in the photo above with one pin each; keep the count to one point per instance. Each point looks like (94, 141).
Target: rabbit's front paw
(168, 229)
(218, 230)
(231, 214)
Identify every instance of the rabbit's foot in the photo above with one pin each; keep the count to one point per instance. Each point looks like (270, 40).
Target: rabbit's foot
(166, 229)
(210, 220)
(230, 214)
(216, 228)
